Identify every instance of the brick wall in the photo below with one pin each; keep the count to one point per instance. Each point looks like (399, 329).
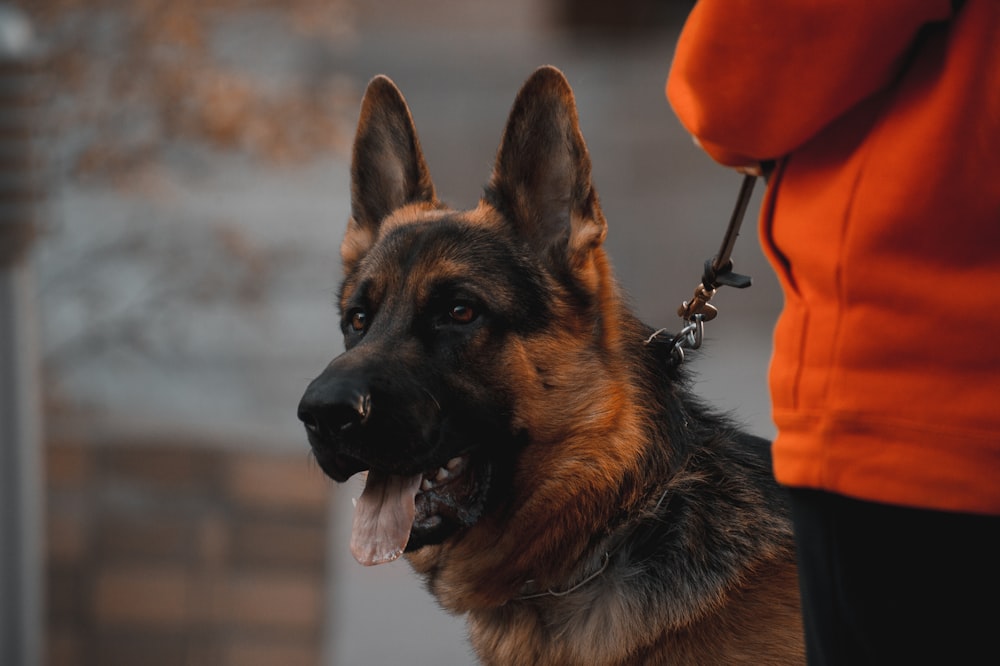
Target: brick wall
(184, 555)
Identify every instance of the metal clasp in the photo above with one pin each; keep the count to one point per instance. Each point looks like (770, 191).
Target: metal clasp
(689, 337)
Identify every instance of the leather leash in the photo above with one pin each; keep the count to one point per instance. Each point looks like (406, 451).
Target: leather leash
(718, 273)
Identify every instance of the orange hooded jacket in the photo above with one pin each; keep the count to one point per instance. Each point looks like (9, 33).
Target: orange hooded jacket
(882, 220)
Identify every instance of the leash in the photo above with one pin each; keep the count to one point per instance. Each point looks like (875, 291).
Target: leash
(718, 273)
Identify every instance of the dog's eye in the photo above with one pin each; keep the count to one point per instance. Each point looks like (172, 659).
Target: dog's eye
(462, 313)
(358, 321)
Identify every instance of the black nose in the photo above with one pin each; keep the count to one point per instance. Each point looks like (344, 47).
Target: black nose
(329, 410)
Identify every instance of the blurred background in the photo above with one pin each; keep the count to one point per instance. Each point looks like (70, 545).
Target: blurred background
(173, 189)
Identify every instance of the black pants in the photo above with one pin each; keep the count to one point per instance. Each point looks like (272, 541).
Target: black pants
(891, 585)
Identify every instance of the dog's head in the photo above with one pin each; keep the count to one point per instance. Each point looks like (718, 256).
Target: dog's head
(464, 331)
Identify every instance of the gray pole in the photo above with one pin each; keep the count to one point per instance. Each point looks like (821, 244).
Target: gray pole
(21, 480)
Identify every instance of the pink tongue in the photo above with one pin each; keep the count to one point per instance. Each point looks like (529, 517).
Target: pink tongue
(383, 518)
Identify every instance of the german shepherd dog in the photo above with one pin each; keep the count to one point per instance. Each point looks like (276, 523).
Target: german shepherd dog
(541, 464)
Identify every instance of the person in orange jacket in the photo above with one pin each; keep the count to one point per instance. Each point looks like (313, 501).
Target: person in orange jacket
(882, 220)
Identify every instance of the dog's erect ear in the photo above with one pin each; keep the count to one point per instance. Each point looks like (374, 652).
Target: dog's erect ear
(388, 169)
(541, 181)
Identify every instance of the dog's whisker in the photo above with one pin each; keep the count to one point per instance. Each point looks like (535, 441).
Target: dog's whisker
(431, 396)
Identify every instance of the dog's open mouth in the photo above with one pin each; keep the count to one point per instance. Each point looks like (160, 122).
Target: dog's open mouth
(394, 507)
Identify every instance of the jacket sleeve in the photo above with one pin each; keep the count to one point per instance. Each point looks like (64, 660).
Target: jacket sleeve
(754, 80)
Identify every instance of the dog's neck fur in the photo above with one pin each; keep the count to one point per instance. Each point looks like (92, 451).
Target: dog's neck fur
(636, 552)
(644, 583)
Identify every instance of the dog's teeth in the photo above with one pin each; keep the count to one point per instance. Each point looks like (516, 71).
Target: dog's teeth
(426, 484)
(442, 474)
(453, 463)
(354, 502)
